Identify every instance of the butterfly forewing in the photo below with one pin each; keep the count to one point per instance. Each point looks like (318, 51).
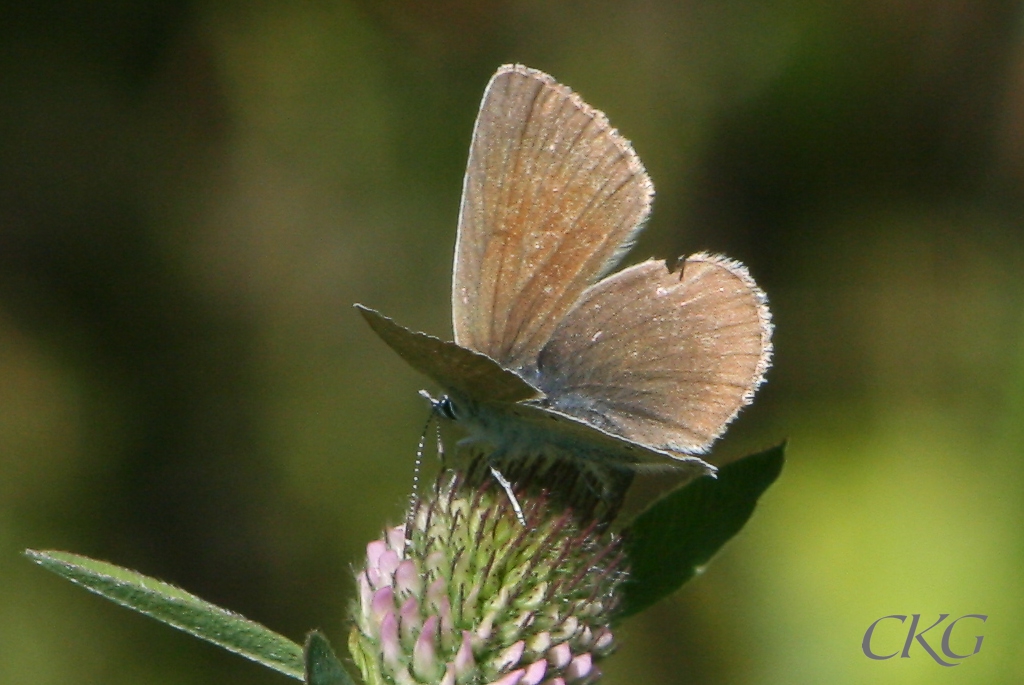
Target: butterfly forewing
(453, 367)
(551, 199)
(660, 357)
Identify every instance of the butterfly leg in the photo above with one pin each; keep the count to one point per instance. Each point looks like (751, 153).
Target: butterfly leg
(507, 487)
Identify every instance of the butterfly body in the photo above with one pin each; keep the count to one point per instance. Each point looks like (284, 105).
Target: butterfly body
(509, 433)
(642, 367)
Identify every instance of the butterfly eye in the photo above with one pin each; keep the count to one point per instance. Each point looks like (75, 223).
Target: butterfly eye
(446, 408)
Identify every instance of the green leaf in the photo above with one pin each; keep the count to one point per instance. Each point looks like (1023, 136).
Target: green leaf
(672, 540)
(177, 608)
(322, 666)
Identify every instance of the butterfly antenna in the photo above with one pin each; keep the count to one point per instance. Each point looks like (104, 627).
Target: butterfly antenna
(418, 467)
(507, 487)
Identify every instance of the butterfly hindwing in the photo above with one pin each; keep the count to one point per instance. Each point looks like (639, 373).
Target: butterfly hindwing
(661, 357)
(585, 440)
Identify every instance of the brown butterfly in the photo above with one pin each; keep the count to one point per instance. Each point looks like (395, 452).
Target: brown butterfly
(646, 366)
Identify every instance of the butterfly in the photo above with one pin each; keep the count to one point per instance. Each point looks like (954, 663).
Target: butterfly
(642, 367)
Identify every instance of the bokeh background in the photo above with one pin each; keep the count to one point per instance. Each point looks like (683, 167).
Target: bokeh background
(192, 194)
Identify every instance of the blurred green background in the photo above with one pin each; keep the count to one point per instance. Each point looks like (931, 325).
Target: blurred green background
(193, 194)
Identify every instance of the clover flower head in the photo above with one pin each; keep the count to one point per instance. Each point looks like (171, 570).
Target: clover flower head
(465, 594)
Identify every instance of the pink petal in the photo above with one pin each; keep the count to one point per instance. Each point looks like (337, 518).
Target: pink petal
(535, 673)
(382, 604)
(388, 564)
(407, 578)
(465, 664)
(437, 591)
(410, 619)
(396, 539)
(486, 627)
(372, 574)
(512, 678)
(511, 656)
(391, 649)
(560, 655)
(424, 653)
(373, 551)
(580, 667)
(604, 641)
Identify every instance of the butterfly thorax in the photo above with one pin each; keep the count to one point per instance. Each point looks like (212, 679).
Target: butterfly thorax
(500, 429)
